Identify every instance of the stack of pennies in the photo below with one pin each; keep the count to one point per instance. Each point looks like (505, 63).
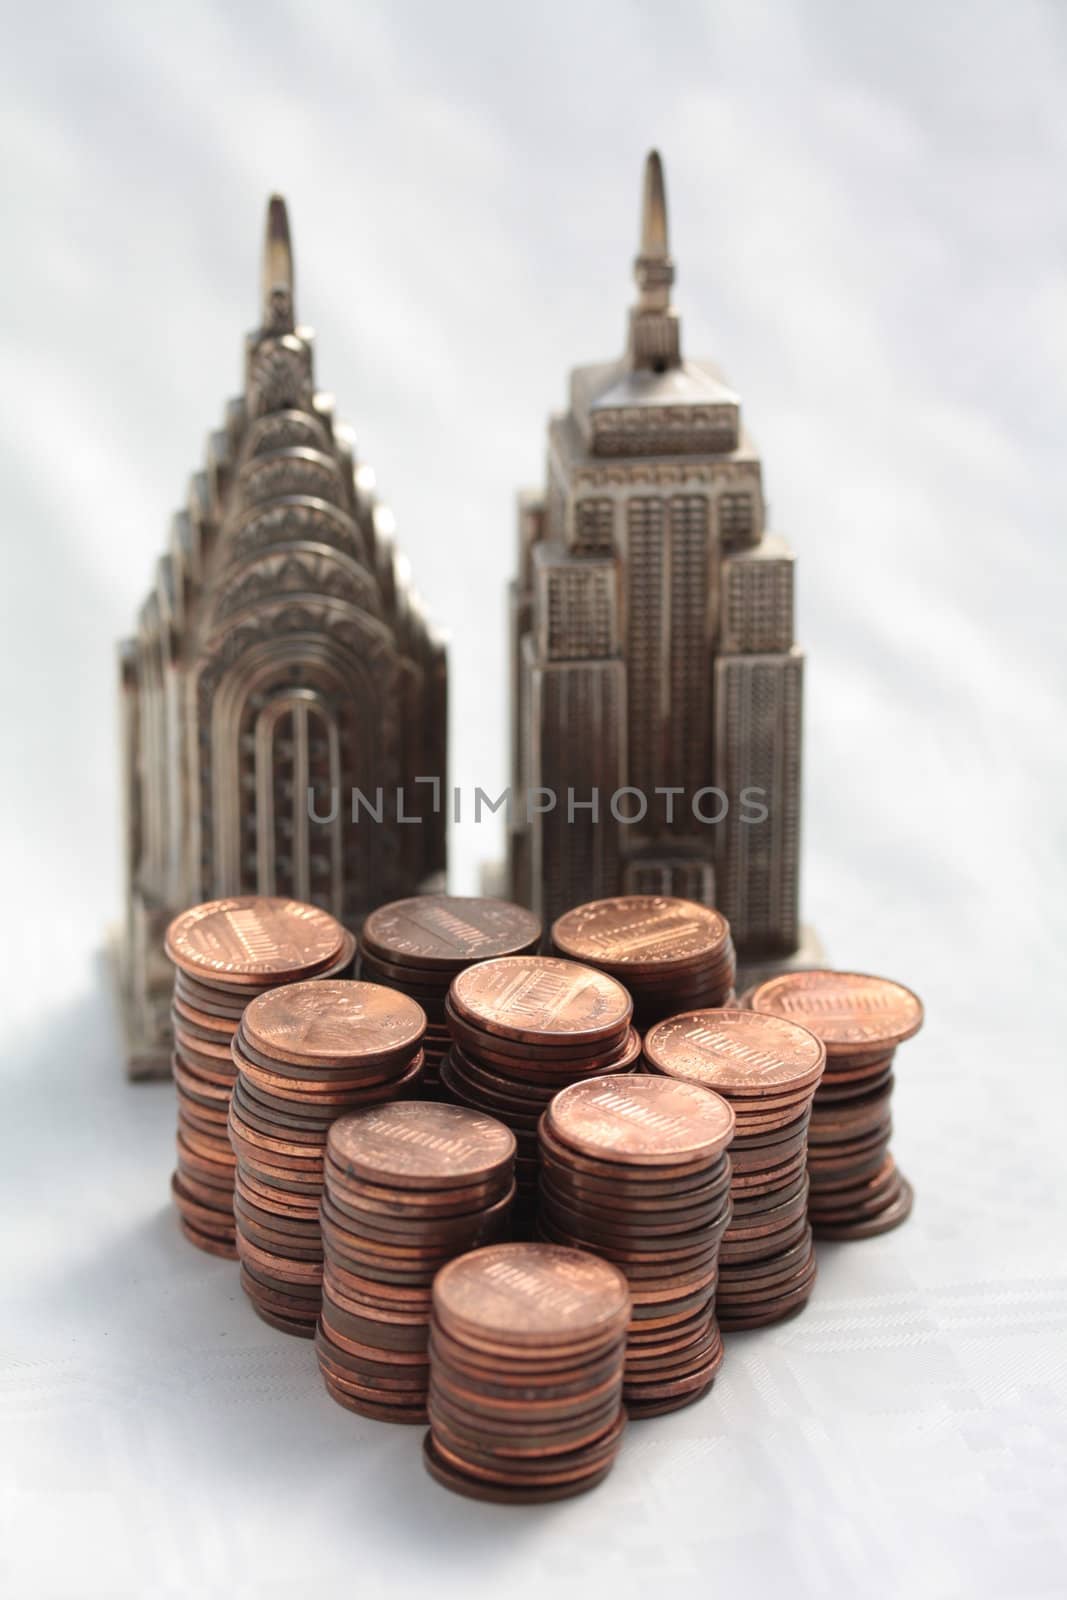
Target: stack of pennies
(523, 1028)
(304, 1055)
(769, 1071)
(857, 1190)
(636, 1170)
(419, 945)
(409, 1185)
(673, 955)
(526, 1360)
(225, 953)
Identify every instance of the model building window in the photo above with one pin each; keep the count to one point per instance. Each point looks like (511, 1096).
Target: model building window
(594, 527)
(735, 519)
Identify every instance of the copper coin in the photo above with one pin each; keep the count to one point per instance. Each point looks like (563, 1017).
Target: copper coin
(504, 1493)
(681, 1383)
(541, 1060)
(494, 1439)
(325, 1078)
(530, 1294)
(377, 1413)
(641, 931)
(849, 1011)
(688, 1357)
(409, 1336)
(417, 1144)
(367, 1389)
(444, 931)
(761, 1314)
(644, 1120)
(361, 1290)
(359, 1200)
(278, 1244)
(201, 1024)
(610, 1197)
(211, 1244)
(737, 1053)
(694, 1169)
(661, 1237)
(281, 1092)
(483, 1226)
(573, 1466)
(867, 1227)
(521, 1455)
(250, 938)
(541, 999)
(336, 1021)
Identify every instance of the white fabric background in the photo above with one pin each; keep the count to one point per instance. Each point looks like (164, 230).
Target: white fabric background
(870, 222)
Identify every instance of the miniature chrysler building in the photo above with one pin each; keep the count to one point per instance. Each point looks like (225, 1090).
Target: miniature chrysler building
(653, 655)
(281, 662)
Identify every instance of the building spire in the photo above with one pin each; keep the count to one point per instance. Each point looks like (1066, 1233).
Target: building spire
(277, 269)
(654, 341)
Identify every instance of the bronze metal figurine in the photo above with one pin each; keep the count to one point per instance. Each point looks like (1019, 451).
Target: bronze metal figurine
(653, 662)
(281, 663)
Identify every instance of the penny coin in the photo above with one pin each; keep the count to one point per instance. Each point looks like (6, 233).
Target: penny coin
(737, 1053)
(421, 1145)
(642, 931)
(653, 1121)
(250, 938)
(534, 998)
(531, 1294)
(504, 1493)
(847, 1010)
(337, 1020)
(446, 930)
(867, 1227)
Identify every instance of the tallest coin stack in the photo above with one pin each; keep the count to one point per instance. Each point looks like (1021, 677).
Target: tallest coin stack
(225, 954)
(524, 1027)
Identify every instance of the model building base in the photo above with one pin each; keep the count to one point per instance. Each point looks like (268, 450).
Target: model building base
(146, 1050)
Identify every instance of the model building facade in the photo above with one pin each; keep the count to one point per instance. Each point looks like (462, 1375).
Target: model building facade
(280, 663)
(652, 643)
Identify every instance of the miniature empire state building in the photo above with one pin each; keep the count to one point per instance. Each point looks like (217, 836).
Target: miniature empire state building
(652, 632)
(281, 661)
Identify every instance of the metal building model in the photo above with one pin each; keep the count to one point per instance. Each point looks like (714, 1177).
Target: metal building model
(281, 662)
(652, 644)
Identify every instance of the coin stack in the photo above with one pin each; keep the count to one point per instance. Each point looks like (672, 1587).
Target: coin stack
(304, 1055)
(672, 955)
(635, 1169)
(857, 1190)
(526, 1363)
(419, 945)
(225, 953)
(769, 1071)
(523, 1028)
(409, 1186)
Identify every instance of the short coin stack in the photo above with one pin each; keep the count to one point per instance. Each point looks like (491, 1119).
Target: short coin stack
(857, 1190)
(525, 1027)
(673, 955)
(526, 1362)
(419, 945)
(304, 1055)
(226, 953)
(409, 1185)
(636, 1169)
(768, 1070)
